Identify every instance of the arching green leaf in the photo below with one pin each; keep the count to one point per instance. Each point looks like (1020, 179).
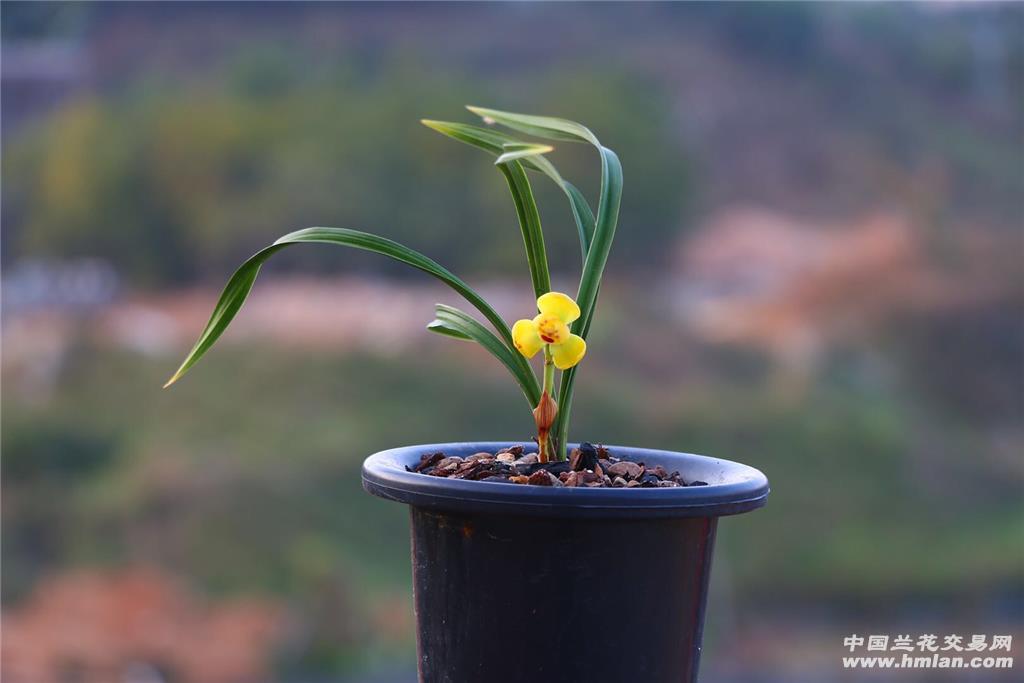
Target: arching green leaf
(241, 282)
(454, 320)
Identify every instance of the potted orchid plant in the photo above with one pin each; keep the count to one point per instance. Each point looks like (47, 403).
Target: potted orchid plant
(532, 561)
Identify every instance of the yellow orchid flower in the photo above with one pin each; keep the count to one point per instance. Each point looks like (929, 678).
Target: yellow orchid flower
(551, 328)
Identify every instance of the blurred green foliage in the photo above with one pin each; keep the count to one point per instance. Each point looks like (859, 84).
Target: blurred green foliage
(177, 181)
(178, 167)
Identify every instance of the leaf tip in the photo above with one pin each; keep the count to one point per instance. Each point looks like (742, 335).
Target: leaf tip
(521, 151)
(176, 376)
(482, 113)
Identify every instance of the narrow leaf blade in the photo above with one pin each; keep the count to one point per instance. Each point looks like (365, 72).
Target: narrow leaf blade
(464, 324)
(241, 282)
(548, 127)
(583, 215)
(590, 281)
(529, 223)
(442, 328)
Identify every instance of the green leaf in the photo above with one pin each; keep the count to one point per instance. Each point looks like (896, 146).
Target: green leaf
(241, 282)
(590, 282)
(540, 126)
(529, 223)
(485, 138)
(604, 235)
(583, 215)
(581, 212)
(522, 150)
(463, 324)
(442, 328)
(494, 141)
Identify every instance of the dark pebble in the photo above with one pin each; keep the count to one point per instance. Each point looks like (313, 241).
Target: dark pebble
(554, 468)
(584, 458)
(557, 468)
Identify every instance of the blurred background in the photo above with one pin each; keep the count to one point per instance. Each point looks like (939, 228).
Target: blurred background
(817, 272)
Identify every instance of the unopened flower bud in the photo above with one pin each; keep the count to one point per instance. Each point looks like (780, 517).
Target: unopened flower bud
(545, 412)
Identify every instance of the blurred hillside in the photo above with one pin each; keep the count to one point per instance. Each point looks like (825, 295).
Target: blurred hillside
(818, 272)
(176, 140)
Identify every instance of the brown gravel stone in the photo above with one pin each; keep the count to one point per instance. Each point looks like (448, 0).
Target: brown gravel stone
(575, 457)
(427, 460)
(445, 463)
(626, 469)
(540, 478)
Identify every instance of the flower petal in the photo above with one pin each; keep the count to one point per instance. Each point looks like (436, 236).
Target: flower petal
(526, 339)
(568, 353)
(558, 304)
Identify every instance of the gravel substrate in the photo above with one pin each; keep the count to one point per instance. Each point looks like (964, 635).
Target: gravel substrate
(588, 465)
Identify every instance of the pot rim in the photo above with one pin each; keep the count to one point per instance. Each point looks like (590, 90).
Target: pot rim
(732, 488)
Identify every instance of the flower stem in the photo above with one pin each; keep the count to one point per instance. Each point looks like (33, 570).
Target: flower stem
(547, 409)
(549, 372)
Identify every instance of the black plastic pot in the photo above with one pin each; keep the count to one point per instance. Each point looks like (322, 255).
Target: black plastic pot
(530, 584)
